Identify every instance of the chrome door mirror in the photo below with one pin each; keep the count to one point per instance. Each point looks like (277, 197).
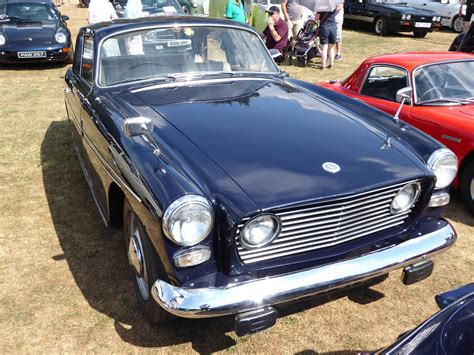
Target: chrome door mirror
(136, 126)
(402, 96)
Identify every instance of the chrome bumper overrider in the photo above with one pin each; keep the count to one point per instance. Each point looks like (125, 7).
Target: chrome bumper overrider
(241, 297)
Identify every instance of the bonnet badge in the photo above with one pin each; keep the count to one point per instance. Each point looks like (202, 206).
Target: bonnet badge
(331, 167)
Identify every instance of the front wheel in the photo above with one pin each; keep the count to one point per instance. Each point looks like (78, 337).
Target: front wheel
(466, 186)
(420, 34)
(458, 24)
(144, 264)
(381, 26)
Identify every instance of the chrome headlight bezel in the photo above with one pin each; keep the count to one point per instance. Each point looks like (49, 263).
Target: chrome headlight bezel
(176, 207)
(271, 237)
(3, 40)
(412, 200)
(437, 158)
(60, 37)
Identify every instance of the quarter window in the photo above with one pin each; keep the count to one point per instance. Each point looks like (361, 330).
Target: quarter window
(383, 82)
(87, 59)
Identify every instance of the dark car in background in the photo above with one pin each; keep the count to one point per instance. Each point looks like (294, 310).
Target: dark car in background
(391, 16)
(33, 31)
(240, 189)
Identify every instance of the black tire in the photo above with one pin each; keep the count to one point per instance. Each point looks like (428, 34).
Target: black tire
(458, 24)
(466, 186)
(420, 34)
(152, 269)
(381, 27)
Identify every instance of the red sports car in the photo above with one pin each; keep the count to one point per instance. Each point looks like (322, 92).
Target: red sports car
(441, 102)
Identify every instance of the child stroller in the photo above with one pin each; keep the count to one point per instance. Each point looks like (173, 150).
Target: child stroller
(464, 42)
(306, 46)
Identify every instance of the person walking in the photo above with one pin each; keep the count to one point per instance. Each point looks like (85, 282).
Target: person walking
(339, 22)
(235, 11)
(101, 11)
(469, 13)
(293, 14)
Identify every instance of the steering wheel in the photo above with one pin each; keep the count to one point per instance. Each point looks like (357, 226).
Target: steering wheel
(426, 93)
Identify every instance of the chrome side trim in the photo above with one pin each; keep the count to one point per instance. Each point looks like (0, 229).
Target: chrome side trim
(236, 298)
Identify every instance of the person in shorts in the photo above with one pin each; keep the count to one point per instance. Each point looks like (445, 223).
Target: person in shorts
(339, 22)
(328, 35)
(469, 13)
(293, 14)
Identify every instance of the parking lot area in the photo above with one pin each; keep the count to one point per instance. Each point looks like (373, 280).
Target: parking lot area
(65, 280)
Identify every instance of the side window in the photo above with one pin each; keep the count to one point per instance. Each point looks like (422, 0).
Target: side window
(383, 82)
(87, 59)
(76, 66)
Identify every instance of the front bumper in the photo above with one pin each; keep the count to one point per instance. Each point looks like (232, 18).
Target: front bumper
(61, 54)
(237, 298)
(410, 26)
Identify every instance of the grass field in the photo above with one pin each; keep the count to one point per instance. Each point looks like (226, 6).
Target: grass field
(65, 282)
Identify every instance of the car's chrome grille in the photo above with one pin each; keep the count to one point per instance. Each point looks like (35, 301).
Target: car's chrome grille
(328, 223)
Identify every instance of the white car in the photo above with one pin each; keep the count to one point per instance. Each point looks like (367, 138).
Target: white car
(449, 9)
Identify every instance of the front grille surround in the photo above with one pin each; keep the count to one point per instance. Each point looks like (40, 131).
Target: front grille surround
(329, 223)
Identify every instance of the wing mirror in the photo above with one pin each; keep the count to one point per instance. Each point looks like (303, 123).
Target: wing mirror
(137, 126)
(65, 18)
(403, 95)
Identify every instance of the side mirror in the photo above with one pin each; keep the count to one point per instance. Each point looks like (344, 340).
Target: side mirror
(137, 126)
(402, 96)
(65, 17)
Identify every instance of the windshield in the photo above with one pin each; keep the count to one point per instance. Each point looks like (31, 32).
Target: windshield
(179, 52)
(445, 83)
(29, 11)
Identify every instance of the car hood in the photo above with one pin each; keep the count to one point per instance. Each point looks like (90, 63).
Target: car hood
(404, 9)
(30, 32)
(272, 139)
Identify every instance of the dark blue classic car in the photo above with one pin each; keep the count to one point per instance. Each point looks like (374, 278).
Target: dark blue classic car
(392, 16)
(450, 331)
(237, 187)
(33, 31)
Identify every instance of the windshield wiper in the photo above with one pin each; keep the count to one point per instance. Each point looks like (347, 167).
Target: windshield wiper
(189, 75)
(458, 101)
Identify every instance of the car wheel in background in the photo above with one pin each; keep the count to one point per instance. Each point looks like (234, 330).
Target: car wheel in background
(420, 34)
(458, 24)
(145, 268)
(466, 186)
(381, 26)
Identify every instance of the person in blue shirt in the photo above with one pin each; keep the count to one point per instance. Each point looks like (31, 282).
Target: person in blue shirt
(235, 11)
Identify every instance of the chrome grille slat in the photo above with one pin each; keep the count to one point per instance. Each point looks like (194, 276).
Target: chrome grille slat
(315, 221)
(329, 223)
(336, 235)
(255, 258)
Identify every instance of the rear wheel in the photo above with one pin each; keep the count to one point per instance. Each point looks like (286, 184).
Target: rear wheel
(420, 34)
(381, 26)
(458, 24)
(466, 186)
(144, 264)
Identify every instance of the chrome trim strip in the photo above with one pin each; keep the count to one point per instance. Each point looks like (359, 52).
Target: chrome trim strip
(449, 138)
(236, 298)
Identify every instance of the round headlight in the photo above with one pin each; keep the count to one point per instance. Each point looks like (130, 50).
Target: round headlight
(405, 198)
(60, 37)
(404, 17)
(2, 40)
(408, 17)
(188, 220)
(444, 165)
(260, 231)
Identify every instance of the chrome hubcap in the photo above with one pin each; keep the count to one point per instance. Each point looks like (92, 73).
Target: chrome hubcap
(136, 257)
(379, 26)
(458, 24)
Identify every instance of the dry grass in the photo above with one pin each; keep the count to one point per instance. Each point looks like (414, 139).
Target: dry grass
(64, 278)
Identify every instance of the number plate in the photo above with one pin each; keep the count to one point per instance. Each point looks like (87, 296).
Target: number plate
(35, 54)
(423, 24)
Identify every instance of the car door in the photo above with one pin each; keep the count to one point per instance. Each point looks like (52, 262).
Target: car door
(79, 87)
(380, 87)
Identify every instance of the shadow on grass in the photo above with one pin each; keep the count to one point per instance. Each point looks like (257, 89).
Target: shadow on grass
(96, 257)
